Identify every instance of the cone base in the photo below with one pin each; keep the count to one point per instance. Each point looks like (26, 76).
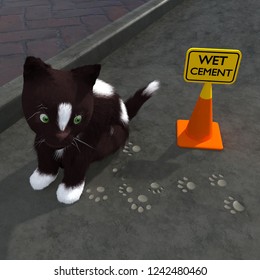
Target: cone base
(184, 141)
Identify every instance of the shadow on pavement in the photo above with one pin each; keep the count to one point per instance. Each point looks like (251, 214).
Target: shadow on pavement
(20, 203)
(159, 169)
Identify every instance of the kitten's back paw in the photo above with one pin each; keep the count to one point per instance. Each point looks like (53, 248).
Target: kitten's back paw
(40, 180)
(69, 195)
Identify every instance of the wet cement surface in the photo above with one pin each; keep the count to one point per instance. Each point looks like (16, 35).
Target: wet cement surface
(205, 204)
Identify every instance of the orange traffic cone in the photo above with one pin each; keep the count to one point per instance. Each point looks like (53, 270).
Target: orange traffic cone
(200, 131)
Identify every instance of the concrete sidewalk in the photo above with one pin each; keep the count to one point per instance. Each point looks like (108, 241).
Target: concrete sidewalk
(44, 28)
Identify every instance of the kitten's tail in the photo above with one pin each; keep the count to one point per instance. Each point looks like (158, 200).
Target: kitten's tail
(134, 103)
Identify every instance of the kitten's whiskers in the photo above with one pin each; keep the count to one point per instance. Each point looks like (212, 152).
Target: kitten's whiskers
(41, 107)
(38, 112)
(74, 143)
(77, 139)
(39, 142)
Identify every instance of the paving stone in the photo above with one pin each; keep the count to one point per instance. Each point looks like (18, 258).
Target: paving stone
(38, 12)
(53, 22)
(47, 47)
(95, 22)
(115, 12)
(11, 67)
(19, 36)
(24, 3)
(11, 48)
(11, 23)
(6, 11)
(40, 24)
(73, 34)
(77, 12)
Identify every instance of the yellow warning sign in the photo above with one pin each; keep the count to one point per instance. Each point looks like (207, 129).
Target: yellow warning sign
(212, 65)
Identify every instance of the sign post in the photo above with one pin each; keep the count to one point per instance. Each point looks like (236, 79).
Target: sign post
(208, 66)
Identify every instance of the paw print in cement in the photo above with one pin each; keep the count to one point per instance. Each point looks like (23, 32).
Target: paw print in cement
(186, 185)
(97, 194)
(217, 180)
(155, 188)
(138, 202)
(131, 149)
(233, 205)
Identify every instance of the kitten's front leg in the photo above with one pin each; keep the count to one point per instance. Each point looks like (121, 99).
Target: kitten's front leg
(47, 169)
(72, 186)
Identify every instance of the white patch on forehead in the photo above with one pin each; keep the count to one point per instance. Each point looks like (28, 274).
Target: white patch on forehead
(103, 89)
(64, 114)
(123, 112)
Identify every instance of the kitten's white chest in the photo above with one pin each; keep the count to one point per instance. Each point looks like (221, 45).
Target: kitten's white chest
(59, 153)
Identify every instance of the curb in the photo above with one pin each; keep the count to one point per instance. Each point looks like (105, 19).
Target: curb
(90, 50)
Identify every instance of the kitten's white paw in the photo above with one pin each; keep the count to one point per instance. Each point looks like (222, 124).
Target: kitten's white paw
(40, 181)
(69, 195)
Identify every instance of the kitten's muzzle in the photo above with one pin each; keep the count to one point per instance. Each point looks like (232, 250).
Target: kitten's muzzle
(61, 140)
(62, 135)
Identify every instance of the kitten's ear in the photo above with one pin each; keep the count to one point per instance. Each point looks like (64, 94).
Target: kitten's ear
(87, 73)
(34, 68)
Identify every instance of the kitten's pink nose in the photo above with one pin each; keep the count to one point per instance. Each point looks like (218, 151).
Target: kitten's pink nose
(61, 135)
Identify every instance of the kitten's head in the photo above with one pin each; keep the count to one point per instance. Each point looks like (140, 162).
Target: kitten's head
(57, 104)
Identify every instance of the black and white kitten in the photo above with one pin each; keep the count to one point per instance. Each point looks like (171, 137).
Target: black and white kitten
(77, 118)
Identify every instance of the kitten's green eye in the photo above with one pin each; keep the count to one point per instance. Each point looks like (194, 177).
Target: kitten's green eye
(44, 118)
(77, 119)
